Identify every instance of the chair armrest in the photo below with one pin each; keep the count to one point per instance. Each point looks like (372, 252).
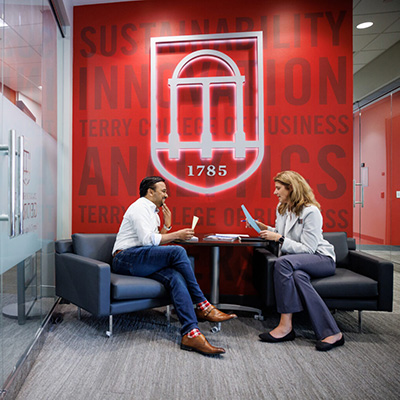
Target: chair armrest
(263, 275)
(64, 246)
(378, 269)
(351, 243)
(84, 282)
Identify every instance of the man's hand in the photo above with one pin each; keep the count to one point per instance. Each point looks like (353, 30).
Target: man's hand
(167, 215)
(185, 234)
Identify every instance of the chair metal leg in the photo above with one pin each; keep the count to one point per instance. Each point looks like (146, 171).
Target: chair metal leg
(216, 328)
(110, 326)
(79, 313)
(168, 315)
(359, 321)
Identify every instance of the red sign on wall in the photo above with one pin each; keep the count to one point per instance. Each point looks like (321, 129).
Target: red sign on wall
(217, 98)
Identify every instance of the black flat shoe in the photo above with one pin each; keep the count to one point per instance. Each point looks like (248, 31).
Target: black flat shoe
(267, 337)
(324, 346)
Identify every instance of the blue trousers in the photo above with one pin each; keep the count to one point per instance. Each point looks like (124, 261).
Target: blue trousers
(170, 266)
(293, 289)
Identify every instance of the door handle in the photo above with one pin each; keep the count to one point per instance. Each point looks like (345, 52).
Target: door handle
(21, 184)
(355, 184)
(11, 150)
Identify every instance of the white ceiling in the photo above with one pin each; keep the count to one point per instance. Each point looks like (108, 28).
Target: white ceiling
(370, 43)
(23, 54)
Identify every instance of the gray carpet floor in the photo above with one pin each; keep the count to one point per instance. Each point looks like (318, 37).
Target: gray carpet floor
(142, 360)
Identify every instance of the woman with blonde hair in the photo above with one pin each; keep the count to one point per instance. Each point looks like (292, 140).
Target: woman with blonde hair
(303, 255)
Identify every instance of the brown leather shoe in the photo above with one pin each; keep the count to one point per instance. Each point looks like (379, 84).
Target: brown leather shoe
(212, 314)
(200, 344)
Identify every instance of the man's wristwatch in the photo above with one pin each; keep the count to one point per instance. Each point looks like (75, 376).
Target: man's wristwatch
(166, 227)
(281, 239)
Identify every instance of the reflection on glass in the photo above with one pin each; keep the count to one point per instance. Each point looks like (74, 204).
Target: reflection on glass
(28, 105)
(376, 167)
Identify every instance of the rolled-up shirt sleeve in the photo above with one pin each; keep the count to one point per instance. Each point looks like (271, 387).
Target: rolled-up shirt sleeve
(156, 239)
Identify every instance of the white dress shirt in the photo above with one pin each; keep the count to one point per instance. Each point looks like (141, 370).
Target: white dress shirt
(139, 227)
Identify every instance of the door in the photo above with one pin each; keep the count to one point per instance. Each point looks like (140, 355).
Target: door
(375, 185)
(28, 155)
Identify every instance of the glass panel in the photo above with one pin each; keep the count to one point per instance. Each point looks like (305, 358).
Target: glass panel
(394, 232)
(27, 174)
(2, 211)
(377, 172)
(356, 176)
(51, 36)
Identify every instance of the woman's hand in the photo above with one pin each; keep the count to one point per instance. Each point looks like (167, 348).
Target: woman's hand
(270, 235)
(260, 224)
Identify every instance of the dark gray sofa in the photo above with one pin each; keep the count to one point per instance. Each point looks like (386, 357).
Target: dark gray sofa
(361, 281)
(84, 278)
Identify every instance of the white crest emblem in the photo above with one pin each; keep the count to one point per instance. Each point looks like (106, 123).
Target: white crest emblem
(197, 155)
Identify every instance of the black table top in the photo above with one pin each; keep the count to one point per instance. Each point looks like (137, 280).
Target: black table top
(204, 240)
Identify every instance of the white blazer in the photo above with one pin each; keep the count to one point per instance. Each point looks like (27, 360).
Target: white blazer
(303, 233)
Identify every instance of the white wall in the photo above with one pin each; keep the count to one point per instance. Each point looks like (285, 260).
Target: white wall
(64, 128)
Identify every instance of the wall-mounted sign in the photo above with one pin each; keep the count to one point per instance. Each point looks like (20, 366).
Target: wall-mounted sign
(216, 97)
(212, 112)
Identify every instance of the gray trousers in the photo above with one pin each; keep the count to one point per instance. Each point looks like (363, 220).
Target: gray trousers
(294, 292)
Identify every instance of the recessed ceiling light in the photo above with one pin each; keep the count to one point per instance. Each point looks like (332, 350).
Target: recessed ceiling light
(364, 25)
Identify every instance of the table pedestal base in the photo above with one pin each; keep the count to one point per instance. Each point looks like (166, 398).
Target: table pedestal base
(215, 293)
(236, 307)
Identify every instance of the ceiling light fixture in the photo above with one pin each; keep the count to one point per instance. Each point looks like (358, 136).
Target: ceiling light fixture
(364, 25)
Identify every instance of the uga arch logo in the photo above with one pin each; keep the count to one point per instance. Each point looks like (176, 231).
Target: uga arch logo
(207, 128)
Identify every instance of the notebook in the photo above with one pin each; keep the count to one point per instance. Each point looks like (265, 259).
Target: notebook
(252, 239)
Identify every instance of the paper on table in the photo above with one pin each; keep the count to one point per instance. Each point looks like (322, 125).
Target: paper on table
(231, 235)
(250, 220)
(215, 237)
(195, 220)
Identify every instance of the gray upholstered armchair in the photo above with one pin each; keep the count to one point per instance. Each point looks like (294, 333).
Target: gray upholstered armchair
(84, 278)
(361, 281)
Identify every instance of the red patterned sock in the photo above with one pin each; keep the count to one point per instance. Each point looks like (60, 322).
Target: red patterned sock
(203, 305)
(193, 333)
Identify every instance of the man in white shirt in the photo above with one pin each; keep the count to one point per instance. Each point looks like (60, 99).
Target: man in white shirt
(138, 251)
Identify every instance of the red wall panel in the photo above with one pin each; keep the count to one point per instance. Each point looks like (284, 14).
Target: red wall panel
(393, 166)
(307, 113)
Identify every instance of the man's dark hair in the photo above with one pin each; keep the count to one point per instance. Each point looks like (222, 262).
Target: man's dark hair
(149, 183)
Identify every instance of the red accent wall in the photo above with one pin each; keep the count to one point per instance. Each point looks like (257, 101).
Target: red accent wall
(393, 183)
(307, 90)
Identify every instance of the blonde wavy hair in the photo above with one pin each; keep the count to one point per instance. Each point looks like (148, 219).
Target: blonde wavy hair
(301, 194)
